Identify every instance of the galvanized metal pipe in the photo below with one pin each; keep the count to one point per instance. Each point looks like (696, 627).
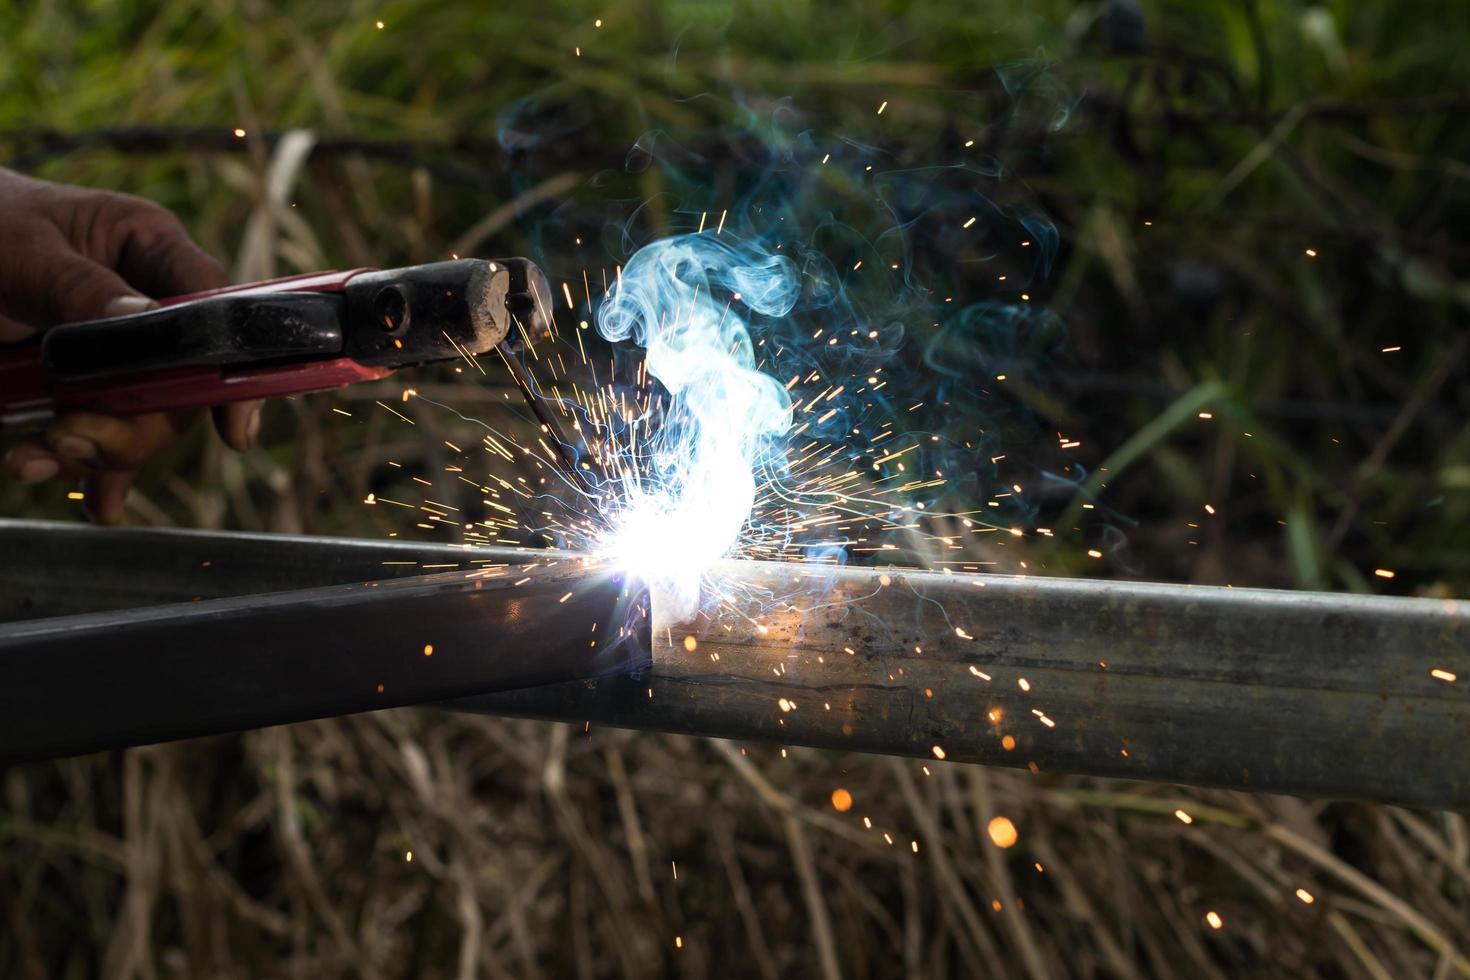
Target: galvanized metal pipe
(1324, 695)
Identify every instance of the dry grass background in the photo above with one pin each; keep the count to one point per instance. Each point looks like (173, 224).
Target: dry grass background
(410, 843)
(549, 850)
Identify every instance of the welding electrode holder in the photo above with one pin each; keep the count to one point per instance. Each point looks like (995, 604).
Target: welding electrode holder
(285, 336)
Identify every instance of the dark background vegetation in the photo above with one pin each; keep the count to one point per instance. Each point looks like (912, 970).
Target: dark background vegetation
(1253, 201)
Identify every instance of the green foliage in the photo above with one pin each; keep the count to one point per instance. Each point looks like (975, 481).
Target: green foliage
(1189, 154)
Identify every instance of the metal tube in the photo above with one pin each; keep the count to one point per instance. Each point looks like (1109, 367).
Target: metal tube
(110, 679)
(1318, 694)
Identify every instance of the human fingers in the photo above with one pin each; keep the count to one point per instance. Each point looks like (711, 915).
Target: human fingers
(238, 423)
(98, 442)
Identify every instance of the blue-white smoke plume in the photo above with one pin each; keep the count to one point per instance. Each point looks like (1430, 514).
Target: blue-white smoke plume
(685, 301)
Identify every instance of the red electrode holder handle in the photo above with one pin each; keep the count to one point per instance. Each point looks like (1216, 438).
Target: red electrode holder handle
(28, 392)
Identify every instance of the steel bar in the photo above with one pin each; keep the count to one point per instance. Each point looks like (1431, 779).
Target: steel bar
(110, 679)
(1314, 694)
(1318, 694)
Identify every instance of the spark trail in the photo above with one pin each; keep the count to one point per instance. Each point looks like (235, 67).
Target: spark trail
(772, 385)
(692, 447)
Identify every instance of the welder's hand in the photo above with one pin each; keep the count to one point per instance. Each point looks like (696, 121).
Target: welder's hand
(68, 254)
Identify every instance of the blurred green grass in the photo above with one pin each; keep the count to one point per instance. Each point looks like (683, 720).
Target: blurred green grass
(1189, 153)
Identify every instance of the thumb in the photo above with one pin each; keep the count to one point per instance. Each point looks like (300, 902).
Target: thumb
(67, 287)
